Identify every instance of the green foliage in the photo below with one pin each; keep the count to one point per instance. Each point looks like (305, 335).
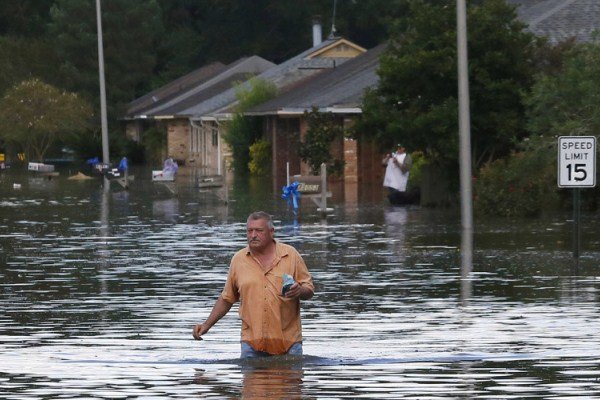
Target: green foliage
(419, 161)
(131, 30)
(36, 115)
(253, 92)
(315, 148)
(23, 58)
(24, 17)
(522, 184)
(153, 141)
(568, 103)
(260, 158)
(243, 131)
(416, 99)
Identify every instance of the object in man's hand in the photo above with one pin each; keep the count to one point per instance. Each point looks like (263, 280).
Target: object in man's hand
(288, 281)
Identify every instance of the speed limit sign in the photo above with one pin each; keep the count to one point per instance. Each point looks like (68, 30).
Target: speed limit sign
(576, 161)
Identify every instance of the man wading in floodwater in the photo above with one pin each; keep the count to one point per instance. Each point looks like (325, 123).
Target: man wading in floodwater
(270, 320)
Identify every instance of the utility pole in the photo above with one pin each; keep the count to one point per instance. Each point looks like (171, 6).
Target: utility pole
(464, 117)
(105, 153)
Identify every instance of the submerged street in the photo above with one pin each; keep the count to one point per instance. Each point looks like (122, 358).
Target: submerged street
(100, 290)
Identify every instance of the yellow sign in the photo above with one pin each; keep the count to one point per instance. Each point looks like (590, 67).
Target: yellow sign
(1, 157)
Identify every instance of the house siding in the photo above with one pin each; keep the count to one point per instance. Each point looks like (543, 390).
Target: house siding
(178, 134)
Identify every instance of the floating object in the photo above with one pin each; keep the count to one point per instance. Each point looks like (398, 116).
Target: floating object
(210, 181)
(40, 167)
(124, 181)
(16, 186)
(80, 177)
(162, 176)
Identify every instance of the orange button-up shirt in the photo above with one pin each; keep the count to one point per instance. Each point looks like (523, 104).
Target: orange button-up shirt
(270, 322)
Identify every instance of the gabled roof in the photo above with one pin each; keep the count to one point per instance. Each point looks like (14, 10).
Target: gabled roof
(559, 20)
(338, 48)
(221, 80)
(293, 70)
(337, 90)
(217, 91)
(173, 88)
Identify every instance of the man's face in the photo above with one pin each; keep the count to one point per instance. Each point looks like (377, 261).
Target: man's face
(259, 234)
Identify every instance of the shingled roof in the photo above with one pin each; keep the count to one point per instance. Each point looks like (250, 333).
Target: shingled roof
(173, 88)
(340, 89)
(287, 73)
(559, 20)
(220, 80)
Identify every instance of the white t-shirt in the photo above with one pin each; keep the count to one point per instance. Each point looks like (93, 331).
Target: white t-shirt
(394, 177)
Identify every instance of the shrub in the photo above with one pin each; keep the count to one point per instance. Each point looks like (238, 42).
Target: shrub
(315, 149)
(415, 178)
(523, 184)
(260, 157)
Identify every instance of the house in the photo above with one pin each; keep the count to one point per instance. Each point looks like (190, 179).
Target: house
(193, 108)
(560, 20)
(338, 91)
(165, 108)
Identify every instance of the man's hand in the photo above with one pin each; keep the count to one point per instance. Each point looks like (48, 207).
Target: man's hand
(199, 330)
(297, 291)
(219, 310)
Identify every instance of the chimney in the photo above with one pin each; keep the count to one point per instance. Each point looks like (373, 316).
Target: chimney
(317, 31)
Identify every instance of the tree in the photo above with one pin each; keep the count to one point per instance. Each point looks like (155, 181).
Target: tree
(416, 100)
(568, 103)
(243, 131)
(35, 115)
(131, 30)
(315, 149)
(22, 58)
(24, 17)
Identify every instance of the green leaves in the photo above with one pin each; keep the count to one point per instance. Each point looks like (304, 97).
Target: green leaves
(35, 115)
(416, 100)
(244, 131)
(568, 103)
(314, 149)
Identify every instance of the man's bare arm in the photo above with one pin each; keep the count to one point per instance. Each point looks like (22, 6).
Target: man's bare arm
(220, 309)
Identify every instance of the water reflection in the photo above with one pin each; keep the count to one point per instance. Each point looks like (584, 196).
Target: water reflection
(276, 382)
(166, 209)
(276, 378)
(396, 219)
(466, 266)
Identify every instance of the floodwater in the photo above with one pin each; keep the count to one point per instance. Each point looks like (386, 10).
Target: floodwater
(100, 290)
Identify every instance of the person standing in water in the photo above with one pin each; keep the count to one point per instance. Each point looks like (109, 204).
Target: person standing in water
(397, 168)
(270, 316)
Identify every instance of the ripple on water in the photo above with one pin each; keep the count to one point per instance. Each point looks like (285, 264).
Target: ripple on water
(103, 307)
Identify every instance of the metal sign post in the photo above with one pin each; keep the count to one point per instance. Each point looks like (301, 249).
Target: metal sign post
(576, 170)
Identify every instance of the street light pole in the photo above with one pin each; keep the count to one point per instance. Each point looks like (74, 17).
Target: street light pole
(464, 119)
(105, 153)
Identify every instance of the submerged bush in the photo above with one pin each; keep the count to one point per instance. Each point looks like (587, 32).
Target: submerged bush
(260, 158)
(523, 184)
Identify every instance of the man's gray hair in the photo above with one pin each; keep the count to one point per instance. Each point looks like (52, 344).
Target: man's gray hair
(262, 215)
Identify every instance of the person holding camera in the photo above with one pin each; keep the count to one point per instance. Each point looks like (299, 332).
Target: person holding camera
(397, 164)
